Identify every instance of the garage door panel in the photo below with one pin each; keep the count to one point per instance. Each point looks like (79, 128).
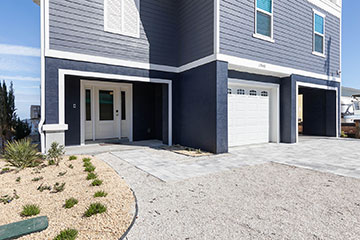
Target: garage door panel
(248, 119)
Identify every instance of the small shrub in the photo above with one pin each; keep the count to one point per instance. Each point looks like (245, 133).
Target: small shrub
(72, 158)
(30, 210)
(5, 170)
(22, 154)
(36, 179)
(55, 153)
(100, 194)
(42, 188)
(62, 174)
(86, 160)
(96, 182)
(8, 199)
(90, 168)
(87, 164)
(58, 187)
(91, 176)
(18, 179)
(67, 234)
(71, 166)
(69, 203)
(94, 208)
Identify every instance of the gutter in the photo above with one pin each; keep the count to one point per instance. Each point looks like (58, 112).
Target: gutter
(42, 102)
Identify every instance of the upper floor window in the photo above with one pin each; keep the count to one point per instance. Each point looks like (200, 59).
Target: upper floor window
(319, 34)
(122, 17)
(264, 19)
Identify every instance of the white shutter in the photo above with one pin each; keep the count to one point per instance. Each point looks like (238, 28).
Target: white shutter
(113, 16)
(122, 16)
(131, 18)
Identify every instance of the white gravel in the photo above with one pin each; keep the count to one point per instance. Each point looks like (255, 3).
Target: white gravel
(268, 201)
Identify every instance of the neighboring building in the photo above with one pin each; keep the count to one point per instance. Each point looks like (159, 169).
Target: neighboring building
(350, 105)
(207, 74)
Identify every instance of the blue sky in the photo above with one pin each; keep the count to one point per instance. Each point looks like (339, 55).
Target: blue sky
(20, 49)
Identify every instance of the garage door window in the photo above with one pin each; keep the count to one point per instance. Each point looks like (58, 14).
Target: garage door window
(229, 90)
(264, 94)
(241, 91)
(253, 93)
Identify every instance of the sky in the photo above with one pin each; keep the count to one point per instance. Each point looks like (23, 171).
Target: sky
(20, 49)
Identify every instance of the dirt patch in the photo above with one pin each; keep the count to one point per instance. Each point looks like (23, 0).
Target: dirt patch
(112, 224)
(187, 151)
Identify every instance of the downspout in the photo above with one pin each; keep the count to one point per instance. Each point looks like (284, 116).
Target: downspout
(42, 81)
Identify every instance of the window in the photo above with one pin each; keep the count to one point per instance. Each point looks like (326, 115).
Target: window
(319, 34)
(123, 106)
(264, 94)
(106, 105)
(264, 19)
(241, 91)
(253, 93)
(122, 17)
(229, 90)
(88, 104)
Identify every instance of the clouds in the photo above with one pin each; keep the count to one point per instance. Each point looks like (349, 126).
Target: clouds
(20, 78)
(6, 49)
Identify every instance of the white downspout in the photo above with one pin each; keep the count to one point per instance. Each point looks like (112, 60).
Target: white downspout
(42, 101)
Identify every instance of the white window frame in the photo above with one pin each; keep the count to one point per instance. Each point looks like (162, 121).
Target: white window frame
(258, 35)
(107, 29)
(322, 35)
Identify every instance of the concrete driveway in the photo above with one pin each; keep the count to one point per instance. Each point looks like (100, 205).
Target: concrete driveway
(245, 194)
(338, 156)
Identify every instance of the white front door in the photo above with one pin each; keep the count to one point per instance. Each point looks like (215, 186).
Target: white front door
(107, 113)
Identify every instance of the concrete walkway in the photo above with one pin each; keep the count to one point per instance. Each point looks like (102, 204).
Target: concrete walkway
(338, 156)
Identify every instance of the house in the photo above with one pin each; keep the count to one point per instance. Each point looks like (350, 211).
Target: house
(207, 74)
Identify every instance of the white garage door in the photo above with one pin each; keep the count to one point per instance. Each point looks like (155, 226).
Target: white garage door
(248, 119)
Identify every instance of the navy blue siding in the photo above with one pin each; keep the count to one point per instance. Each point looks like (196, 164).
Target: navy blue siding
(200, 108)
(172, 32)
(293, 26)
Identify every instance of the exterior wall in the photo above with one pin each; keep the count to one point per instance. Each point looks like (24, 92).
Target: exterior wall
(200, 113)
(171, 32)
(293, 35)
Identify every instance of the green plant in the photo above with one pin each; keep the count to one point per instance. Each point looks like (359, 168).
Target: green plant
(343, 135)
(69, 203)
(94, 208)
(42, 187)
(100, 194)
(86, 160)
(55, 153)
(8, 199)
(67, 234)
(22, 129)
(72, 158)
(30, 210)
(87, 164)
(71, 166)
(7, 113)
(5, 170)
(22, 154)
(62, 174)
(96, 182)
(36, 179)
(18, 179)
(58, 187)
(90, 168)
(91, 176)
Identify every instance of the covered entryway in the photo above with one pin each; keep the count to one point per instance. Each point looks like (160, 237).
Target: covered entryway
(253, 113)
(317, 112)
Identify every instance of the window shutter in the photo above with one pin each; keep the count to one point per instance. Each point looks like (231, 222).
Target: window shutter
(113, 17)
(131, 18)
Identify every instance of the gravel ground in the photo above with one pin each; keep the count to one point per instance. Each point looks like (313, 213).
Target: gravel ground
(268, 201)
(109, 225)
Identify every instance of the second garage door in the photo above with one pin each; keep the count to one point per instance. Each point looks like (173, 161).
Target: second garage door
(248, 115)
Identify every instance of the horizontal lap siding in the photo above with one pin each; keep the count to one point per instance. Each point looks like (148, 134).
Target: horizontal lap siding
(293, 24)
(78, 26)
(196, 30)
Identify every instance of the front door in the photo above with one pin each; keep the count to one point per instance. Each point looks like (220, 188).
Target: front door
(107, 124)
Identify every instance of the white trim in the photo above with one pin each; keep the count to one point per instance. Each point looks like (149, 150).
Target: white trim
(269, 86)
(55, 127)
(216, 26)
(242, 64)
(323, 35)
(84, 74)
(258, 35)
(262, 37)
(319, 86)
(332, 8)
(42, 73)
(197, 63)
